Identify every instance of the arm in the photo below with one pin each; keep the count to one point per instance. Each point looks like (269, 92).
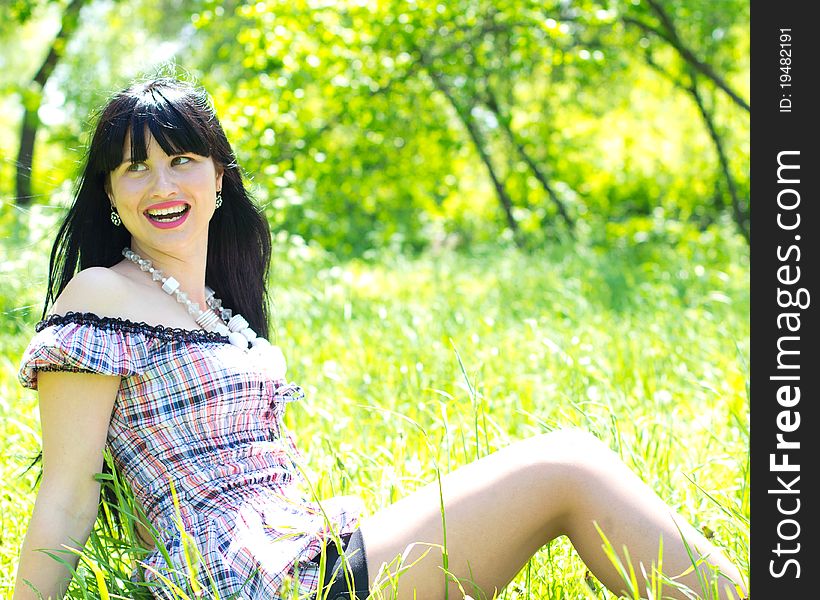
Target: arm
(75, 409)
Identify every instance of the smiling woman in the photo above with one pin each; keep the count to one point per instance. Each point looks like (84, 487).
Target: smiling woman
(142, 350)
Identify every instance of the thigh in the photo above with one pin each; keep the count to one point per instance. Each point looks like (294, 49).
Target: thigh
(497, 512)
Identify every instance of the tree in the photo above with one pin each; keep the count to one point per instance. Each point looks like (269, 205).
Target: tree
(33, 94)
(400, 122)
(666, 32)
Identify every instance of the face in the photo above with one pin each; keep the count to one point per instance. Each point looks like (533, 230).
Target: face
(165, 202)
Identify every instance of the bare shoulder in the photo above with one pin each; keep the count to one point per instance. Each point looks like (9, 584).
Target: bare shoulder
(98, 290)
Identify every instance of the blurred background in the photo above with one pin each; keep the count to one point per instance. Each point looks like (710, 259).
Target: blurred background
(367, 124)
(491, 219)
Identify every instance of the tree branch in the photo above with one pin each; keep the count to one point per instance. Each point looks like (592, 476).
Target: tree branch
(740, 216)
(475, 136)
(504, 121)
(671, 37)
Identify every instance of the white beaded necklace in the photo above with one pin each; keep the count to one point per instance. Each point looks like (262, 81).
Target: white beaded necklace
(213, 318)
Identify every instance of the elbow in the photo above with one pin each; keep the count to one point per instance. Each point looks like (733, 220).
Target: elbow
(78, 502)
(86, 513)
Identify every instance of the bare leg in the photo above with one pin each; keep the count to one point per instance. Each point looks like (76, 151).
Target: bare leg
(501, 509)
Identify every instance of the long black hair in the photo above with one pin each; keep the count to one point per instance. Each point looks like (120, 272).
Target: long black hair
(180, 116)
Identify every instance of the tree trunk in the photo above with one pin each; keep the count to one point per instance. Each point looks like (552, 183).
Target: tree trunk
(542, 178)
(478, 142)
(738, 213)
(33, 98)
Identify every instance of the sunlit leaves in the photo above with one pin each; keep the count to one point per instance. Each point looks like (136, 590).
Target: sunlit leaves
(342, 96)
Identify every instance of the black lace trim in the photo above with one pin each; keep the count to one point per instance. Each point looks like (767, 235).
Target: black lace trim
(119, 324)
(63, 368)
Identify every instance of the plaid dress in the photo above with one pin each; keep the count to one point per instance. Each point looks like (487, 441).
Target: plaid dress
(199, 416)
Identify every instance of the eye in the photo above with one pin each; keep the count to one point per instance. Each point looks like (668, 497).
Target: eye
(136, 166)
(181, 160)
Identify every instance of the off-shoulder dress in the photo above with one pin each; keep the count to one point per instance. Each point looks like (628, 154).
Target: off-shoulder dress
(204, 418)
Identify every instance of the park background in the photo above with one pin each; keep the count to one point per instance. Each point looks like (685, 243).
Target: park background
(490, 219)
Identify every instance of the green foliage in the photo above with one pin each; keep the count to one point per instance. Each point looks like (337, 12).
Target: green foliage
(362, 124)
(21, 11)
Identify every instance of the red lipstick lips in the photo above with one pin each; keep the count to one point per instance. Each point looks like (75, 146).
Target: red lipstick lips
(168, 219)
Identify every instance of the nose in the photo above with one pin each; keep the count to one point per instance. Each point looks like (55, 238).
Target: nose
(165, 185)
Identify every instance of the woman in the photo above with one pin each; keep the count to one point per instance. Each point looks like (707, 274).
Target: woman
(141, 353)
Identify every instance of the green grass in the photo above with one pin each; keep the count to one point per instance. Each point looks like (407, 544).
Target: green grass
(409, 364)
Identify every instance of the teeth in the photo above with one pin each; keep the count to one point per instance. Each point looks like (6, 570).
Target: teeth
(159, 212)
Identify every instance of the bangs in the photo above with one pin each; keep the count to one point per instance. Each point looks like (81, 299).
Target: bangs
(171, 116)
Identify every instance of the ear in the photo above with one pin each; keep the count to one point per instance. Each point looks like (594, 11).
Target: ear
(220, 171)
(107, 188)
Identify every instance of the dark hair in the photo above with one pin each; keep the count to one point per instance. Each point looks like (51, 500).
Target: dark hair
(181, 118)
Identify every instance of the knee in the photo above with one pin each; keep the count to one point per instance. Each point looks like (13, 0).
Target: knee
(565, 467)
(580, 453)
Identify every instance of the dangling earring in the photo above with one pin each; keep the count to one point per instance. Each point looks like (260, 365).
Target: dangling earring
(219, 198)
(115, 218)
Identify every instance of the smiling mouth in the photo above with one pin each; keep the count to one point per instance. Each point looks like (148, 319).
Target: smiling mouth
(166, 215)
